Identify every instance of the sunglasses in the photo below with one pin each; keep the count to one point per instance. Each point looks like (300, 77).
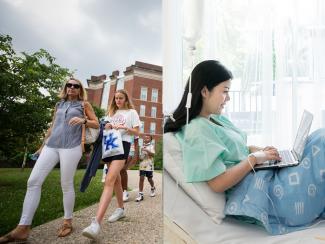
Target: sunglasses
(70, 85)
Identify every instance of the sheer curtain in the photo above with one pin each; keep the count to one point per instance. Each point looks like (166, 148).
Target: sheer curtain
(300, 60)
(276, 52)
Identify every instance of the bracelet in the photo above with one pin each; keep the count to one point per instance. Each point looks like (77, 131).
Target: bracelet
(85, 121)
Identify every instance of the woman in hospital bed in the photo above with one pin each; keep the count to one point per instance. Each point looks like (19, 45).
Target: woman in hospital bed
(215, 151)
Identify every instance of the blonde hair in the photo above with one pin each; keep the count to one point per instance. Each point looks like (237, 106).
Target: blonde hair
(82, 91)
(127, 104)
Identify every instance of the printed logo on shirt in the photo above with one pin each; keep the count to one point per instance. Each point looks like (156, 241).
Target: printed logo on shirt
(118, 119)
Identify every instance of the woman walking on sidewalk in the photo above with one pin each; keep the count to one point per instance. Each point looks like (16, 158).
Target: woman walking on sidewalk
(123, 117)
(62, 143)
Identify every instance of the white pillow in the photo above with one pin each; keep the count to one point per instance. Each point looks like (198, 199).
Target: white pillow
(212, 203)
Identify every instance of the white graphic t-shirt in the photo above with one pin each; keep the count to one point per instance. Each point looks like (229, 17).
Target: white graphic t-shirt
(147, 162)
(126, 117)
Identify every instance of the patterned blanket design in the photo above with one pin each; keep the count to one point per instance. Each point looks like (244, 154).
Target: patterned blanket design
(287, 199)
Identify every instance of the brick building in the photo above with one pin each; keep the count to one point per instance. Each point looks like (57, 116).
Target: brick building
(143, 83)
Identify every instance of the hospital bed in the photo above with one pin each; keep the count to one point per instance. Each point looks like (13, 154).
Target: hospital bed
(194, 214)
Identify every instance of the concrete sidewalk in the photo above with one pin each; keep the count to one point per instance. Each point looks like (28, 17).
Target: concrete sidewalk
(143, 222)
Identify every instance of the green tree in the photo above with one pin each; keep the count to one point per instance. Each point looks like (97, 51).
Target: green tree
(98, 111)
(29, 88)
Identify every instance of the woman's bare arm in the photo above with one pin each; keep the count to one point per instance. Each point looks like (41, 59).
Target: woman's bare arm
(232, 175)
(236, 173)
(92, 120)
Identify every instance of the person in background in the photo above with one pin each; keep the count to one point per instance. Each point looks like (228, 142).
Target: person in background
(146, 167)
(132, 160)
(62, 143)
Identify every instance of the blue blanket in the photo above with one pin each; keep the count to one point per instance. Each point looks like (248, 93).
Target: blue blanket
(288, 199)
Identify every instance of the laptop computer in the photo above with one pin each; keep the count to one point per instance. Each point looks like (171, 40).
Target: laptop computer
(292, 157)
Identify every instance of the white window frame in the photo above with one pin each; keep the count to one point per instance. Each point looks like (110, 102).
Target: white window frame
(154, 98)
(144, 93)
(154, 112)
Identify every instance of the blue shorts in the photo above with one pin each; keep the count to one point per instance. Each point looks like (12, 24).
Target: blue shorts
(148, 174)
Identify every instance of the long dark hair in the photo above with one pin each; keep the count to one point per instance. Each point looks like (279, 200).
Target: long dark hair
(209, 73)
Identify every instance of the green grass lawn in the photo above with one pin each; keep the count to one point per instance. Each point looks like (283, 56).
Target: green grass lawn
(13, 188)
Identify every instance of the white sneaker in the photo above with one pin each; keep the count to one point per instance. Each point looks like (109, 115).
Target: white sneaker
(140, 197)
(118, 214)
(92, 230)
(153, 192)
(125, 196)
(105, 171)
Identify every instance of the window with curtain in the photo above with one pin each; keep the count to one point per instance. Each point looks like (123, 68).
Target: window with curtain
(153, 112)
(143, 94)
(276, 51)
(154, 95)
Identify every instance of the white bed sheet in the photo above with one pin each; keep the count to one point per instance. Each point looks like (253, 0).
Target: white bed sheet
(182, 210)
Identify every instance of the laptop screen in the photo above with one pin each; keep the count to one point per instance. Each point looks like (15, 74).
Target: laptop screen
(302, 134)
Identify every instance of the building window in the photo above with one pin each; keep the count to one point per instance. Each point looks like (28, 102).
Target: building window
(143, 95)
(154, 95)
(142, 110)
(154, 112)
(142, 127)
(152, 128)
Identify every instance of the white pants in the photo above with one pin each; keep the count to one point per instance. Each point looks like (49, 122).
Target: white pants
(49, 157)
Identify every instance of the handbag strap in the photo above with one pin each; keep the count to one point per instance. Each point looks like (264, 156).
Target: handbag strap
(83, 133)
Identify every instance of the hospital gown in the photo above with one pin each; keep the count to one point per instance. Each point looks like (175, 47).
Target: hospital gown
(281, 200)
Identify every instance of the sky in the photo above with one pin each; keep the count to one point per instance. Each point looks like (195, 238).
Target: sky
(91, 37)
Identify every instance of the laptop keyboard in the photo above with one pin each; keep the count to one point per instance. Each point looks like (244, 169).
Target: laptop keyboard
(286, 159)
(286, 156)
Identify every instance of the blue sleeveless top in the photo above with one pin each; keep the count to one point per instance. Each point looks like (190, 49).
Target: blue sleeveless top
(64, 135)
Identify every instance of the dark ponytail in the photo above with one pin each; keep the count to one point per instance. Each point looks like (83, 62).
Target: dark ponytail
(209, 73)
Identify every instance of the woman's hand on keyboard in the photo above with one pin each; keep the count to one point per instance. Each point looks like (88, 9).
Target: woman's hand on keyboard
(266, 154)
